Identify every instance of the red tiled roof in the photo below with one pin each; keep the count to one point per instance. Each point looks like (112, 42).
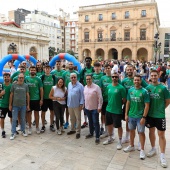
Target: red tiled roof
(9, 23)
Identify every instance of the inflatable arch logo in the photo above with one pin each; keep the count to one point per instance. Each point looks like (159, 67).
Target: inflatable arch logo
(20, 58)
(67, 57)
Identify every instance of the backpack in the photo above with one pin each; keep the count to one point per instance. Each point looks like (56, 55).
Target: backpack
(43, 76)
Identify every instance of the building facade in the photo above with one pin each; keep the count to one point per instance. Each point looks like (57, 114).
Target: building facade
(163, 51)
(14, 40)
(18, 15)
(43, 23)
(120, 30)
(71, 35)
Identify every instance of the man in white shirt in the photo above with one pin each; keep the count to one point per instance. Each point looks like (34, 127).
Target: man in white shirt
(115, 68)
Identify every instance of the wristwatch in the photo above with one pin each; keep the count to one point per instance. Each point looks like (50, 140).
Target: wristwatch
(144, 117)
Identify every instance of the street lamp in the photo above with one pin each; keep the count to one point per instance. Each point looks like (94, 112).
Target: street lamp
(159, 50)
(156, 37)
(12, 46)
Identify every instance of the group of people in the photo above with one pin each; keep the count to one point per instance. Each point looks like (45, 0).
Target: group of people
(117, 95)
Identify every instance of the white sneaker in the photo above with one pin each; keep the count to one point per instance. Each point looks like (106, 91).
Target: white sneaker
(142, 154)
(151, 153)
(125, 140)
(29, 131)
(119, 145)
(12, 137)
(18, 128)
(108, 141)
(104, 135)
(163, 163)
(59, 132)
(129, 149)
(24, 134)
(38, 130)
(139, 146)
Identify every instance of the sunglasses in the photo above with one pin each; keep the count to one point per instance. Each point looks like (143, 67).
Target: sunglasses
(88, 79)
(73, 77)
(20, 77)
(114, 76)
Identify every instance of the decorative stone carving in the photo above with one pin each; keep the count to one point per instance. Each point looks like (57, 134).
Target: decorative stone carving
(93, 26)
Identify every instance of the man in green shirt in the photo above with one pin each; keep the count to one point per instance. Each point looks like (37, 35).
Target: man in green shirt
(66, 76)
(105, 81)
(117, 96)
(128, 83)
(48, 82)
(39, 69)
(36, 97)
(22, 70)
(160, 99)
(58, 72)
(98, 74)
(4, 104)
(137, 107)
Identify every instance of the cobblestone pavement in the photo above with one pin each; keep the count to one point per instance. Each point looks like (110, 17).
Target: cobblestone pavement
(50, 151)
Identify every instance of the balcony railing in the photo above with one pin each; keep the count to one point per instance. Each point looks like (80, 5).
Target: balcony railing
(116, 39)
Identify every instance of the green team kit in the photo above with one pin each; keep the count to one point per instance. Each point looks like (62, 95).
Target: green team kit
(84, 72)
(158, 94)
(48, 82)
(34, 84)
(17, 73)
(137, 99)
(66, 76)
(4, 103)
(116, 94)
(58, 73)
(105, 81)
(39, 73)
(97, 78)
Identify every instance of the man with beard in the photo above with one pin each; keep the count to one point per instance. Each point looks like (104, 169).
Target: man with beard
(67, 80)
(58, 72)
(156, 119)
(4, 104)
(39, 69)
(87, 70)
(36, 97)
(128, 82)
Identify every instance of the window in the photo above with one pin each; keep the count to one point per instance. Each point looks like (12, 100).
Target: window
(166, 51)
(113, 16)
(166, 43)
(86, 37)
(86, 18)
(112, 35)
(100, 17)
(143, 34)
(68, 24)
(167, 36)
(127, 14)
(143, 13)
(127, 35)
(100, 36)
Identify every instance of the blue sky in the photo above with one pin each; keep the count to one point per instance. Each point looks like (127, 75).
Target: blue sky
(52, 6)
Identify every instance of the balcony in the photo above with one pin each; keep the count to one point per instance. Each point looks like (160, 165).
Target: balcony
(113, 17)
(127, 16)
(86, 20)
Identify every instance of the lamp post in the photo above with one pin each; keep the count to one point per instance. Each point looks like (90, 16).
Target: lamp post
(13, 47)
(159, 50)
(156, 37)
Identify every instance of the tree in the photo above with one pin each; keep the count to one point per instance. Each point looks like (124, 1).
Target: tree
(71, 52)
(60, 51)
(52, 51)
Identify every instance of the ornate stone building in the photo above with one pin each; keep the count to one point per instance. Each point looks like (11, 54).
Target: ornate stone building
(118, 30)
(14, 40)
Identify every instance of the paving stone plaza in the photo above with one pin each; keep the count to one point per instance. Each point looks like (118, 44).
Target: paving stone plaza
(49, 151)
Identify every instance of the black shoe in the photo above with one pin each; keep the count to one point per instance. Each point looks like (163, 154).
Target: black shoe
(17, 133)
(97, 141)
(52, 128)
(77, 136)
(85, 124)
(33, 123)
(43, 129)
(45, 122)
(89, 136)
(3, 134)
(71, 132)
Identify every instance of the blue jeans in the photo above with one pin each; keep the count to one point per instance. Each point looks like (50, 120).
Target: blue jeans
(93, 117)
(135, 122)
(168, 82)
(15, 110)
